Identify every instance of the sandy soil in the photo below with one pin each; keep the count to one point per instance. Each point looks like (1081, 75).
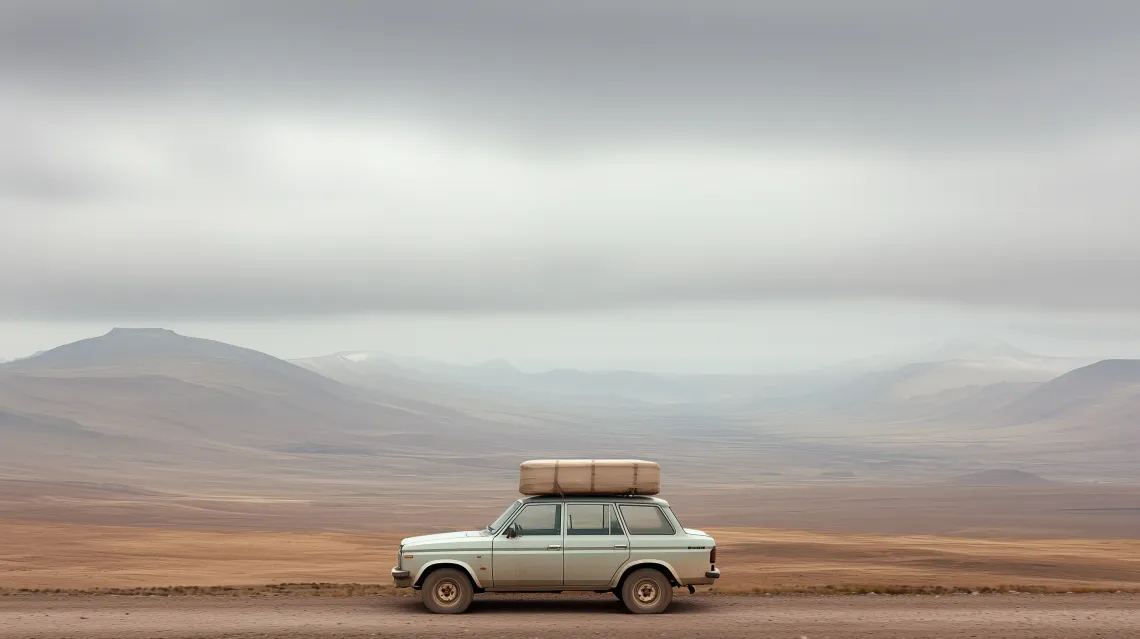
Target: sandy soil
(1080, 511)
(39, 555)
(882, 617)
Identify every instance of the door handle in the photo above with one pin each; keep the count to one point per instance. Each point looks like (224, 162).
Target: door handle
(621, 546)
(554, 547)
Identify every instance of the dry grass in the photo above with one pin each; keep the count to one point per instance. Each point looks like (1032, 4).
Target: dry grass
(769, 559)
(267, 590)
(380, 590)
(882, 589)
(66, 556)
(165, 562)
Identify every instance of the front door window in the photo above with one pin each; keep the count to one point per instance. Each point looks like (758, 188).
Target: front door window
(539, 519)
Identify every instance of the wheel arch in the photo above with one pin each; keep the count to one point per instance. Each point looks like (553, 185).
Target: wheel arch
(657, 564)
(432, 566)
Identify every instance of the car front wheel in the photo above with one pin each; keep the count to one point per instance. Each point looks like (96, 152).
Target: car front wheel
(647, 591)
(448, 591)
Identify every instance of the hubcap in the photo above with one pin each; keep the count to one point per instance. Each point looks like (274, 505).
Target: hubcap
(646, 592)
(446, 591)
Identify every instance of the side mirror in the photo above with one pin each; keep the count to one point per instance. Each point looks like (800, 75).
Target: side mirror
(512, 531)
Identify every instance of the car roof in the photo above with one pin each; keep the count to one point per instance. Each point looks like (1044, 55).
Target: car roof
(628, 499)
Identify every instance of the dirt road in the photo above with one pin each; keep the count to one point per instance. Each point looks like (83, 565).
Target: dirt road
(882, 617)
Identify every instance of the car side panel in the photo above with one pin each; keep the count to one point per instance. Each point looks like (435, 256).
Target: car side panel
(685, 555)
(693, 563)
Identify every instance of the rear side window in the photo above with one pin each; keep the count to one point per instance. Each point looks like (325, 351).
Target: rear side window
(592, 519)
(646, 520)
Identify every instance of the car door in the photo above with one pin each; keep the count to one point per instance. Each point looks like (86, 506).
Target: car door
(528, 552)
(595, 545)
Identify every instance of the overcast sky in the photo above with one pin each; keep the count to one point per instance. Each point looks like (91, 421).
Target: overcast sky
(669, 184)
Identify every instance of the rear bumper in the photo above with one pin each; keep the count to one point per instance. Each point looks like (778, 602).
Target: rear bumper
(402, 578)
(710, 577)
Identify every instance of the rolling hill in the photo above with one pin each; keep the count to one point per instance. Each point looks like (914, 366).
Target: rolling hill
(153, 351)
(1000, 477)
(1098, 401)
(930, 378)
(153, 398)
(964, 379)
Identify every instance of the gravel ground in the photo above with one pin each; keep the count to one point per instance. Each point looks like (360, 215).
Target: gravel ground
(834, 617)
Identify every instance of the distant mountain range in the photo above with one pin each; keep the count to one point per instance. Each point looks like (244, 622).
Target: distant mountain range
(978, 349)
(152, 404)
(957, 365)
(499, 377)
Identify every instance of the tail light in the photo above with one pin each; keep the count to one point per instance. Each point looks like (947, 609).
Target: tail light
(712, 556)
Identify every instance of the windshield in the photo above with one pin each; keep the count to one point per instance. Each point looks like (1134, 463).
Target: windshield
(503, 518)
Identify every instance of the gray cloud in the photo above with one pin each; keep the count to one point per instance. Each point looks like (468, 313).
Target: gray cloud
(933, 72)
(278, 158)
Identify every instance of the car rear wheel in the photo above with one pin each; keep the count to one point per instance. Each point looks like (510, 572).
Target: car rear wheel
(647, 591)
(448, 591)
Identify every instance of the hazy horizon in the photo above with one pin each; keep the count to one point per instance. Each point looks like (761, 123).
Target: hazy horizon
(275, 340)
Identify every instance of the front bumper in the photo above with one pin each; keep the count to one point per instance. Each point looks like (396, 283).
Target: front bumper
(403, 578)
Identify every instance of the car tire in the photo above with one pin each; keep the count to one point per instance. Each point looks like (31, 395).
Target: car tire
(646, 592)
(448, 591)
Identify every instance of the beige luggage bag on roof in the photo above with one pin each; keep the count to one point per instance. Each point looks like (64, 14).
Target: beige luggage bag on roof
(589, 477)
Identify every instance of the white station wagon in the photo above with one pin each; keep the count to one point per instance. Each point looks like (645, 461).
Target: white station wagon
(631, 546)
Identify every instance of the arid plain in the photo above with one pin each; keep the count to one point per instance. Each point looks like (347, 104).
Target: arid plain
(146, 461)
(777, 539)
